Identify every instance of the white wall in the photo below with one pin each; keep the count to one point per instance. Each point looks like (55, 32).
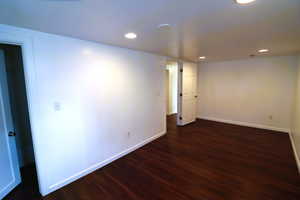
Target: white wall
(249, 92)
(84, 100)
(296, 118)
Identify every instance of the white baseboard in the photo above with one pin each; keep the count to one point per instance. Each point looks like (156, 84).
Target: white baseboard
(252, 125)
(295, 151)
(93, 168)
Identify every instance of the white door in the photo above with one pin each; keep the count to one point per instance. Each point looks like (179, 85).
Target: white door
(187, 93)
(9, 166)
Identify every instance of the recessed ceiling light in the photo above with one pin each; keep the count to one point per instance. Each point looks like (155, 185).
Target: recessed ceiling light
(86, 51)
(263, 50)
(244, 1)
(164, 26)
(130, 35)
(202, 57)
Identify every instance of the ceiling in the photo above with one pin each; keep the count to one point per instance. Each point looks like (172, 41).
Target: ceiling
(217, 29)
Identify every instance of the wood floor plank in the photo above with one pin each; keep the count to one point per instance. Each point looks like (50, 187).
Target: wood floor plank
(202, 161)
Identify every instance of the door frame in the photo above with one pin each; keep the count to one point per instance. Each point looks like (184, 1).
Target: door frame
(179, 66)
(179, 98)
(26, 44)
(10, 142)
(180, 88)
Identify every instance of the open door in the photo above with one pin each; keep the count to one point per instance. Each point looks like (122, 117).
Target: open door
(187, 100)
(9, 166)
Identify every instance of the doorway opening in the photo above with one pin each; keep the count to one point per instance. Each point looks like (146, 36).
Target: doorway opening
(181, 93)
(172, 92)
(12, 63)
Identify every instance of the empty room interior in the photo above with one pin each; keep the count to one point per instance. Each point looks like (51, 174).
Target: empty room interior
(150, 100)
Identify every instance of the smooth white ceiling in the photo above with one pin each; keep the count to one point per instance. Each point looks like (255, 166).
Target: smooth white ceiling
(217, 29)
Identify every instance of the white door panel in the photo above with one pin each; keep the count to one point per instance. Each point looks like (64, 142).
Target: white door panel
(9, 167)
(188, 91)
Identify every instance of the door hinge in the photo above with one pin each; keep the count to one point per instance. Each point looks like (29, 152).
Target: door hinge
(11, 134)
(181, 70)
(180, 94)
(180, 118)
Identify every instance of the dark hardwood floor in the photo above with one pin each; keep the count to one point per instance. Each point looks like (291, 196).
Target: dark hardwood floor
(202, 161)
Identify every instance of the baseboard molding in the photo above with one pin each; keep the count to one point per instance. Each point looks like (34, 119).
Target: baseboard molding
(95, 167)
(252, 125)
(295, 151)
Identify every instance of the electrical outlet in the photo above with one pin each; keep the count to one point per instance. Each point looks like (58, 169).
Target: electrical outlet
(57, 106)
(271, 117)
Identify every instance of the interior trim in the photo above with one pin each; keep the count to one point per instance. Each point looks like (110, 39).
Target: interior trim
(295, 151)
(101, 164)
(252, 125)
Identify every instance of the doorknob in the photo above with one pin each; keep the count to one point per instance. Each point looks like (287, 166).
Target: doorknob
(11, 134)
